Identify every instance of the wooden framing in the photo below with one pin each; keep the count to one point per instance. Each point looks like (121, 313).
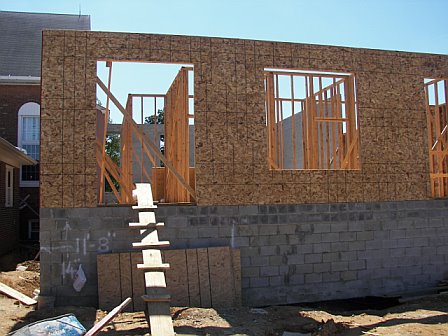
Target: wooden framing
(177, 146)
(329, 128)
(437, 121)
(176, 182)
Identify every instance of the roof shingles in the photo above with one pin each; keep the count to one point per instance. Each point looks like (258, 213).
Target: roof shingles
(21, 39)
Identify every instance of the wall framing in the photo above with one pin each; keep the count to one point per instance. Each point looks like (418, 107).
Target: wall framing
(230, 125)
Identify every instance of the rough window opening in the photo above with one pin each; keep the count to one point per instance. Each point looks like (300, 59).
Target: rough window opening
(437, 120)
(145, 131)
(312, 120)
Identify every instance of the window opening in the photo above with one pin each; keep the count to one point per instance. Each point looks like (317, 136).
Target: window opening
(312, 120)
(155, 131)
(33, 229)
(437, 121)
(29, 139)
(9, 187)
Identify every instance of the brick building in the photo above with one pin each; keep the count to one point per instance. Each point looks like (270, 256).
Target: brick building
(11, 159)
(20, 58)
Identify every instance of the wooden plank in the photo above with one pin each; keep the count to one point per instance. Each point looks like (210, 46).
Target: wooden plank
(126, 277)
(236, 271)
(153, 267)
(138, 282)
(175, 277)
(147, 226)
(221, 278)
(160, 319)
(193, 278)
(11, 292)
(109, 287)
(157, 298)
(204, 277)
(108, 318)
(159, 244)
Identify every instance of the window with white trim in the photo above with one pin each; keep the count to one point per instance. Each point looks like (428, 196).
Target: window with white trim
(9, 186)
(33, 229)
(29, 139)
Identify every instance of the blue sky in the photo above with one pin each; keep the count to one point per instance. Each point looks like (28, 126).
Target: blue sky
(408, 25)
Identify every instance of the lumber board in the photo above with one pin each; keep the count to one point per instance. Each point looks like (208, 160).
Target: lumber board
(11, 292)
(109, 288)
(160, 319)
(175, 277)
(236, 270)
(108, 318)
(125, 277)
(153, 267)
(147, 217)
(221, 277)
(204, 278)
(193, 278)
(145, 226)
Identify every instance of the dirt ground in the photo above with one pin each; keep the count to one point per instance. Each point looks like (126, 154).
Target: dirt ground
(427, 316)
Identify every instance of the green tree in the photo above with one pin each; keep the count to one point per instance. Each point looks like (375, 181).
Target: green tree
(112, 149)
(159, 118)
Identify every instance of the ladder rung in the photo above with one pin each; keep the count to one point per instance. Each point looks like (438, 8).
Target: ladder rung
(150, 225)
(164, 243)
(158, 267)
(142, 207)
(157, 298)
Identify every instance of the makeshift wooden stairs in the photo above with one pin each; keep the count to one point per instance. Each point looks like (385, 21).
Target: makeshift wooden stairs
(157, 297)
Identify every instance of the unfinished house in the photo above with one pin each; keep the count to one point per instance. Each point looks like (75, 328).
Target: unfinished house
(317, 172)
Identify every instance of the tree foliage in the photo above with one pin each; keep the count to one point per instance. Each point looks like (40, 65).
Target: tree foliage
(113, 151)
(158, 119)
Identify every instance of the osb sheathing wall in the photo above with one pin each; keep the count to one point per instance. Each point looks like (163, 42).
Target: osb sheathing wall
(230, 126)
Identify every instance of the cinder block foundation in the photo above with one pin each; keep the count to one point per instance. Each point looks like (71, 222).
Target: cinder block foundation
(289, 253)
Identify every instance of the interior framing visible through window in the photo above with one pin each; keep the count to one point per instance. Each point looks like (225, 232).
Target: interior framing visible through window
(311, 119)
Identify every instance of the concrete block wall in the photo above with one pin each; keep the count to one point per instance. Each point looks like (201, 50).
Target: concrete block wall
(289, 253)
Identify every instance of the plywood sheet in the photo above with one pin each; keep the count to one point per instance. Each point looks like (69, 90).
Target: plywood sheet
(176, 277)
(109, 288)
(204, 277)
(193, 278)
(221, 278)
(236, 267)
(138, 282)
(126, 278)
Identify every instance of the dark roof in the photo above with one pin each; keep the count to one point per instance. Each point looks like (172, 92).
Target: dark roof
(21, 39)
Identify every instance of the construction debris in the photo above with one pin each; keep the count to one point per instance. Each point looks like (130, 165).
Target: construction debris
(26, 300)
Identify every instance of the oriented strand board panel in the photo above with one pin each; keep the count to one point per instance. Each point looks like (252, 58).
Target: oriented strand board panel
(176, 277)
(230, 118)
(126, 278)
(221, 277)
(109, 280)
(138, 282)
(193, 278)
(204, 277)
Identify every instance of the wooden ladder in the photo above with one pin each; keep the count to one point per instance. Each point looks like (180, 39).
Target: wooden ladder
(157, 297)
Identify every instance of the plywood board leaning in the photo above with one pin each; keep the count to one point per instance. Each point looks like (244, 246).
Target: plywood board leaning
(221, 277)
(125, 277)
(193, 278)
(204, 277)
(109, 287)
